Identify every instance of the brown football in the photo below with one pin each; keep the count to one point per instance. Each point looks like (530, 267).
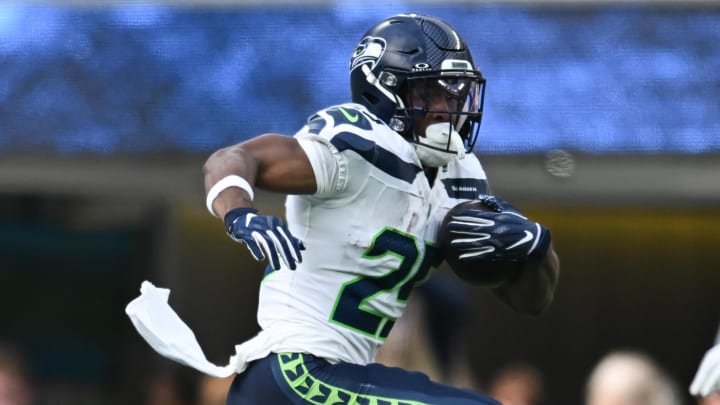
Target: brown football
(483, 272)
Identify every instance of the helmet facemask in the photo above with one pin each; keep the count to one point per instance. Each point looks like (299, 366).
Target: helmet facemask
(455, 99)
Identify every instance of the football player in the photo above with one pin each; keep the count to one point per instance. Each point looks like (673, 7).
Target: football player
(368, 184)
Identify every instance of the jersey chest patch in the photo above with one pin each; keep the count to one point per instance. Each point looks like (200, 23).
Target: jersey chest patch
(465, 188)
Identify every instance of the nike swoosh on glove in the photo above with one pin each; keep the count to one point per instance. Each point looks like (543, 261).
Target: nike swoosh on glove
(501, 234)
(265, 236)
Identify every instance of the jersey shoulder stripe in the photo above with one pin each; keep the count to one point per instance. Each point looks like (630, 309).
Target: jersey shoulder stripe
(376, 155)
(351, 127)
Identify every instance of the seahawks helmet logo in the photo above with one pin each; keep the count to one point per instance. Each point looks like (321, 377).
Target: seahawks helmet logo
(369, 50)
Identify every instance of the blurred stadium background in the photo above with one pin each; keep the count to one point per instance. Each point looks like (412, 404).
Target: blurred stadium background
(602, 120)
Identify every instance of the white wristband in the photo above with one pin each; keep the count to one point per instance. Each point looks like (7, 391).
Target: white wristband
(225, 183)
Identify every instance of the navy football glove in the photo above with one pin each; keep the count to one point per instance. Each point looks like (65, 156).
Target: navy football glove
(265, 236)
(502, 234)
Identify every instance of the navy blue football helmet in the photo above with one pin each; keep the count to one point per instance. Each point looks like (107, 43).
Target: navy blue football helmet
(409, 51)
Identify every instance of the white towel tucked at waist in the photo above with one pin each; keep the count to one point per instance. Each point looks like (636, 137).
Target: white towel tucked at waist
(163, 329)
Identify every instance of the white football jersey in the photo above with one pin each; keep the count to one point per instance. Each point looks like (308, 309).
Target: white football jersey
(370, 232)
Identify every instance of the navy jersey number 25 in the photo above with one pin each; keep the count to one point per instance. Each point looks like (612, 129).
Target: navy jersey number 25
(415, 265)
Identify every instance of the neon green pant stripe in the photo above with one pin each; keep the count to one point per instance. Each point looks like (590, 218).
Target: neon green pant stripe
(318, 392)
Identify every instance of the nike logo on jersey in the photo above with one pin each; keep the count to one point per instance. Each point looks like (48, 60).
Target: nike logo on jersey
(527, 238)
(352, 118)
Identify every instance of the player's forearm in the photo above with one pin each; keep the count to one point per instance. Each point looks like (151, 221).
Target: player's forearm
(233, 160)
(534, 289)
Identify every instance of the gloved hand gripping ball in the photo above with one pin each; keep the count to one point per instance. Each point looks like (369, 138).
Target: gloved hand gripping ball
(488, 241)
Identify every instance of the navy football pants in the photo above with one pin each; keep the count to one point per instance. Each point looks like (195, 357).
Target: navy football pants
(294, 378)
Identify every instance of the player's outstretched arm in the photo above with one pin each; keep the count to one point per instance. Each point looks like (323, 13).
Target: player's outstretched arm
(271, 162)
